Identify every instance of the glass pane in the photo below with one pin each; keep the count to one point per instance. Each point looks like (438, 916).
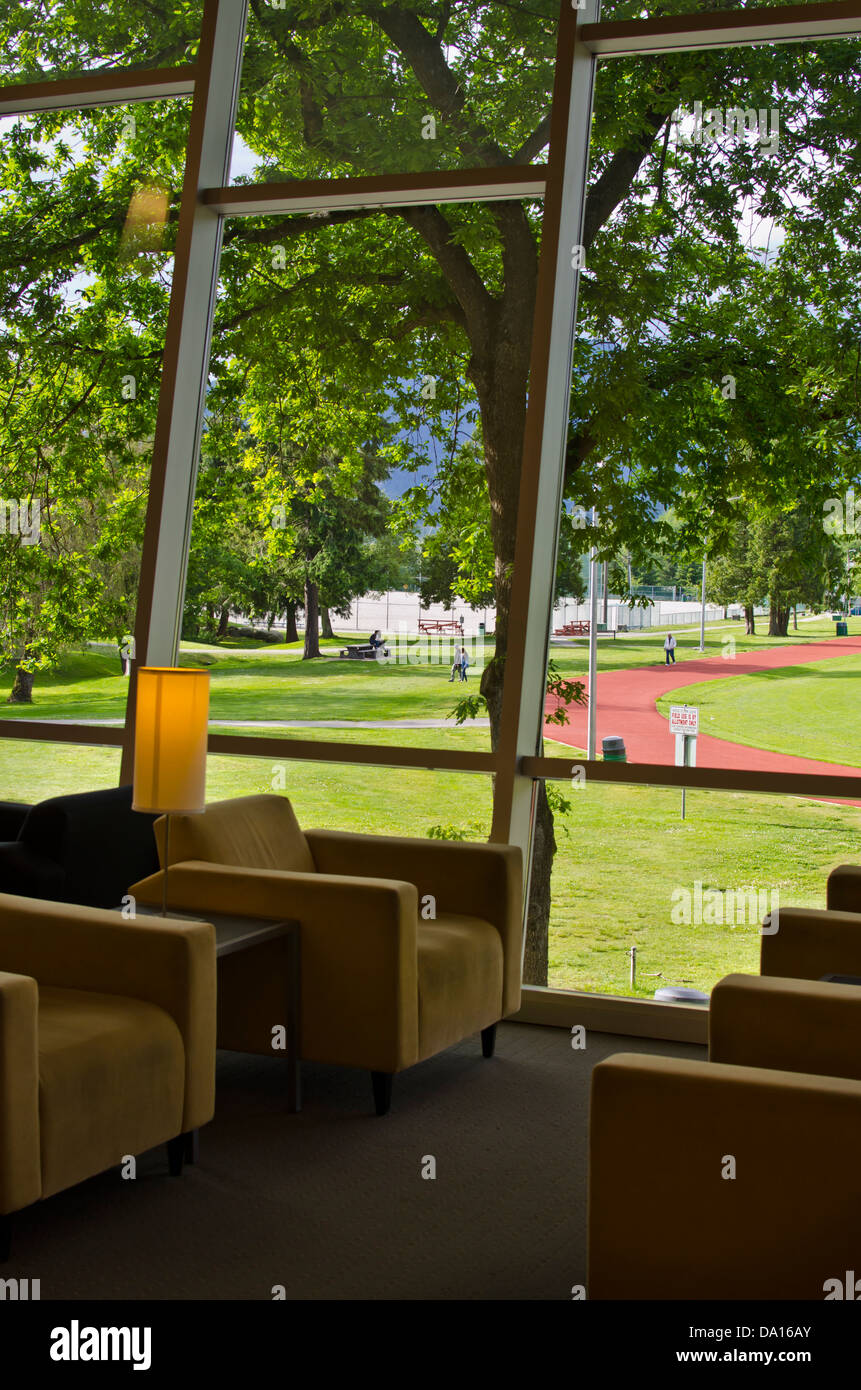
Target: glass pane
(371, 800)
(31, 771)
(715, 413)
(690, 894)
(359, 475)
(65, 38)
(89, 199)
(346, 90)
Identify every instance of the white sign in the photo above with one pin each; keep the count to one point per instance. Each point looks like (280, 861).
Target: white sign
(684, 719)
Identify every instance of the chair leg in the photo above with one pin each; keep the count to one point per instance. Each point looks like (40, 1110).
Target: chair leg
(176, 1155)
(382, 1084)
(488, 1040)
(5, 1237)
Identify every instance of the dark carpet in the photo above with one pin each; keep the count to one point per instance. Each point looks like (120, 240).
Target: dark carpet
(332, 1204)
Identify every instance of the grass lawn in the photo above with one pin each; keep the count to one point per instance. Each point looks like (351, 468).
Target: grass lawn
(268, 683)
(622, 850)
(628, 849)
(806, 710)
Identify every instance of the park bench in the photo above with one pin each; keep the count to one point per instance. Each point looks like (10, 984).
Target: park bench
(440, 625)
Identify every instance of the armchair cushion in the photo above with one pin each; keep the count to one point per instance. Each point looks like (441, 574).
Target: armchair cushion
(111, 1082)
(159, 961)
(460, 966)
(253, 832)
(476, 880)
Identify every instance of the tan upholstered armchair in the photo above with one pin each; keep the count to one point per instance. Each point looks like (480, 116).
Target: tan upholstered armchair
(107, 1044)
(749, 1160)
(408, 946)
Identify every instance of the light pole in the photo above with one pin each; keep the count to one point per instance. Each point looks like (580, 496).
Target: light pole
(702, 645)
(592, 725)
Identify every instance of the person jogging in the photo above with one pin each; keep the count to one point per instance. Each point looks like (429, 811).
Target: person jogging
(669, 649)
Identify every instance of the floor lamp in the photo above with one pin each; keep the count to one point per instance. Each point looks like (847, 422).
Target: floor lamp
(171, 723)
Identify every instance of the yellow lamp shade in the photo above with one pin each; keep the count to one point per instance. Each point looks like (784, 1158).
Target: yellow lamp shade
(170, 740)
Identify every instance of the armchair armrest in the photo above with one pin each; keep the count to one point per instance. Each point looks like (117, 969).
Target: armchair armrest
(20, 1167)
(788, 1025)
(661, 1133)
(359, 951)
(477, 879)
(812, 942)
(171, 964)
(843, 891)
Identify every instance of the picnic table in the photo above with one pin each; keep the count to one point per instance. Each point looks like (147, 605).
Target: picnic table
(363, 652)
(581, 629)
(440, 625)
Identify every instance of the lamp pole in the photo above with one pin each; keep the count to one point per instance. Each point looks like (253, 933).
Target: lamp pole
(593, 647)
(702, 645)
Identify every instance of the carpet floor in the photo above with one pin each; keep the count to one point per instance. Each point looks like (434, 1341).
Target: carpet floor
(332, 1204)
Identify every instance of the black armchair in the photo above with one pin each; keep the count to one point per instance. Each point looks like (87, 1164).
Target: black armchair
(86, 848)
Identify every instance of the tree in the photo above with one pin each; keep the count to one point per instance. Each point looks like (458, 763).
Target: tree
(673, 299)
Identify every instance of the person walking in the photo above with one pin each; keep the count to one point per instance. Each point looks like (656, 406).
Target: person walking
(455, 665)
(669, 649)
(464, 663)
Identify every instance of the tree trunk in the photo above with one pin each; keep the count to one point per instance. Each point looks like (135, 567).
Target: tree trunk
(795, 617)
(749, 620)
(778, 620)
(536, 955)
(223, 623)
(312, 621)
(22, 688)
(291, 632)
(326, 620)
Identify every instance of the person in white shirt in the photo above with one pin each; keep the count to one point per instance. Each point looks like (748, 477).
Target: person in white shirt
(670, 649)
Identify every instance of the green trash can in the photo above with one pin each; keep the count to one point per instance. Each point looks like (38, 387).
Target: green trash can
(613, 750)
(842, 629)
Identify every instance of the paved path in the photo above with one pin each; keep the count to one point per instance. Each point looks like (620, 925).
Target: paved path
(627, 709)
(305, 723)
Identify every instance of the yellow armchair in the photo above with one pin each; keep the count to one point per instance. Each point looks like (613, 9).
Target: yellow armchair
(107, 1043)
(713, 1181)
(748, 1158)
(408, 946)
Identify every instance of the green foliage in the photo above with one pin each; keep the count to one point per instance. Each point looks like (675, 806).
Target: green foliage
(456, 832)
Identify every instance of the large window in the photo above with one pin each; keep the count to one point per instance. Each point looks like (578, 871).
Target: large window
(297, 373)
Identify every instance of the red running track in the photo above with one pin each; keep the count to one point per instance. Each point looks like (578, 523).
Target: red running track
(627, 709)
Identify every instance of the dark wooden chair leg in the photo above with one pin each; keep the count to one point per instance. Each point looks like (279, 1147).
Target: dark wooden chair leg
(191, 1146)
(488, 1040)
(5, 1237)
(382, 1084)
(176, 1155)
